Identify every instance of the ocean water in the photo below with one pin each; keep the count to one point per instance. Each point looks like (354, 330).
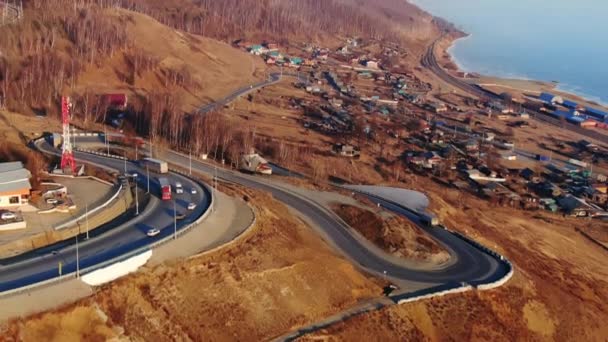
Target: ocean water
(549, 40)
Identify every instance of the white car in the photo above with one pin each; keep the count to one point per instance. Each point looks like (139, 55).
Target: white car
(52, 201)
(178, 188)
(193, 191)
(191, 206)
(152, 232)
(8, 216)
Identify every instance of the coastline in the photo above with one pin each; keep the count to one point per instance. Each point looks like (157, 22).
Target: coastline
(519, 85)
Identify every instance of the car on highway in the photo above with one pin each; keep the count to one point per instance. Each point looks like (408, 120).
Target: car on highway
(191, 206)
(8, 216)
(193, 191)
(179, 189)
(52, 201)
(153, 232)
(180, 216)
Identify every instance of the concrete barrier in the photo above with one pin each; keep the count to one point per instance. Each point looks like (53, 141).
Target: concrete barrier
(116, 270)
(13, 226)
(436, 294)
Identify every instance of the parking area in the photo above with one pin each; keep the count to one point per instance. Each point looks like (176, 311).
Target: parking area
(82, 193)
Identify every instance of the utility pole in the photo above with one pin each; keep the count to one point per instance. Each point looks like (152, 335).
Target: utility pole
(214, 187)
(148, 176)
(77, 261)
(190, 157)
(174, 221)
(105, 135)
(136, 195)
(124, 154)
(86, 215)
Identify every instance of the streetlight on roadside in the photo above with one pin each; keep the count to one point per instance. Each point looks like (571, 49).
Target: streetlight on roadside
(77, 261)
(136, 195)
(86, 215)
(148, 176)
(190, 157)
(174, 221)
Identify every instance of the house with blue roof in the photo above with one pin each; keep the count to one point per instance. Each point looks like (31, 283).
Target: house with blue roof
(551, 99)
(295, 61)
(570, 104)
(596, 113)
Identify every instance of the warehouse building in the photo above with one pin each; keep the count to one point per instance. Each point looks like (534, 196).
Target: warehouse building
(551, 99)
(15, 185)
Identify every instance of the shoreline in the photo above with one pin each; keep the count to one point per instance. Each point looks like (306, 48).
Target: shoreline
(518, 83)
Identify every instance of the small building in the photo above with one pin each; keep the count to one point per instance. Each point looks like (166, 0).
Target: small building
(596, 113)
(372, 64)
(437, 106)
(15, 185)
(257, 50)
(551, 99)
(295, 61)
(570, 104)
(116, 101)
(347, 150)
(575, 206)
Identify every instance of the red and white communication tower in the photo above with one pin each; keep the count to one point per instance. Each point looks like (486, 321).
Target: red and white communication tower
(67, 156)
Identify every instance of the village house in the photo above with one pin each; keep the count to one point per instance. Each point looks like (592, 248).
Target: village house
(15, 186)
(346, 150)
(574, 206)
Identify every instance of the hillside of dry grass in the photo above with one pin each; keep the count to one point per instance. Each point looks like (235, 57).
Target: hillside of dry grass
(278, 277)
(558, 292)
(85, 50)
(394, 234)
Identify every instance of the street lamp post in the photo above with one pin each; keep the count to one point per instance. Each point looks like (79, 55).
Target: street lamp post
(86, 208)
(136, 195)
(77, 261)
(125, 156)
(148, 176)
(190, 158)
(174, 221)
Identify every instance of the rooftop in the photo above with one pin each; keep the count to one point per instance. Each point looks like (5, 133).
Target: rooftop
(13, 177)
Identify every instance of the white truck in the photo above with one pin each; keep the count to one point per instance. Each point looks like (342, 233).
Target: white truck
(253, 163)
(155, 165)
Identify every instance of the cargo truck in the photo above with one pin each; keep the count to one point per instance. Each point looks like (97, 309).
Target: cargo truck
(577, 162)
(165, 189)
(155, 165)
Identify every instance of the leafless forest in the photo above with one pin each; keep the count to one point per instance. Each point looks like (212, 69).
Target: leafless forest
(63, 37)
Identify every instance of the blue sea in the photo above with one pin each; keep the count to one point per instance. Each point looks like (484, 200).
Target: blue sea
(549, 40)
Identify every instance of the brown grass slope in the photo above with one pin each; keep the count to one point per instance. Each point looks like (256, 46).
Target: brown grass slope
(278, 277)
(83, 48)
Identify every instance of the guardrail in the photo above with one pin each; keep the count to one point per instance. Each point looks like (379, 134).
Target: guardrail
(477, 284)
(122, 257)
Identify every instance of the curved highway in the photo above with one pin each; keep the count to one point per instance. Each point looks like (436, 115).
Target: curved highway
(469, 263)
(43, 264)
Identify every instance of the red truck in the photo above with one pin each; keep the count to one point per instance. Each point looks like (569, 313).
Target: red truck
(165, 189)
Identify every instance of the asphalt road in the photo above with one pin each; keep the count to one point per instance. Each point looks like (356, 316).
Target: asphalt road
(430, 62)
(126, 237)
(470, 264)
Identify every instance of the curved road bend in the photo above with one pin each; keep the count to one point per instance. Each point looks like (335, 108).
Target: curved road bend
(471, 265)
(122, 239)
(429, 61)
